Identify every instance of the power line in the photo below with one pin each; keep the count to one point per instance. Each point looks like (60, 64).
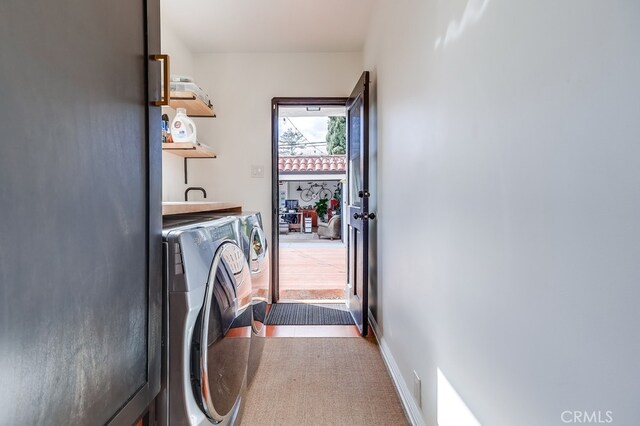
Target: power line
(297, 130)
(304, 144)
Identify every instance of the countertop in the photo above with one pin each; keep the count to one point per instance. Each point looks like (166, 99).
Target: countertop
(183, 207)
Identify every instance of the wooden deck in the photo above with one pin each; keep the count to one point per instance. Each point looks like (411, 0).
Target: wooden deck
(312, 272)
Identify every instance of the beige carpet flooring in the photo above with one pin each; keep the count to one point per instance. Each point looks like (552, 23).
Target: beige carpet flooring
(322, 381)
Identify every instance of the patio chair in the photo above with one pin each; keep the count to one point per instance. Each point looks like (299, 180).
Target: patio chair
(330, 229)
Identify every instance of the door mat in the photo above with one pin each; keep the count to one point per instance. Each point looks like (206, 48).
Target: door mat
(309, 314)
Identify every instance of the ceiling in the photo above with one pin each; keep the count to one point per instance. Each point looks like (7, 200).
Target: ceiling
(274, 26)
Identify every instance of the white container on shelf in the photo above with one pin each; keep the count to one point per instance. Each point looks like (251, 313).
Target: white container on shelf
(183, 129)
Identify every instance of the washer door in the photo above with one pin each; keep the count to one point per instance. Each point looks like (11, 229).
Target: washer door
(259, 262)
(221, 342)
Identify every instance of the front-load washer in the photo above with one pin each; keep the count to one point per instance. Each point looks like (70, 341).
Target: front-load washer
(256, 250)
(208, 323)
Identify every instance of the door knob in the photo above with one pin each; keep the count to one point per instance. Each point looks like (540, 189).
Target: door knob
(364, 216)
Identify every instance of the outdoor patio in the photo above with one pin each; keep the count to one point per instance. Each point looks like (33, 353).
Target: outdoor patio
(312, 270)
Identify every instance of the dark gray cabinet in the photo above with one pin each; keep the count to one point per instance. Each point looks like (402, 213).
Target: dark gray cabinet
(80, 220)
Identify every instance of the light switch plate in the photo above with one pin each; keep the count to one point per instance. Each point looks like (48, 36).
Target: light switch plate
(257, 171)
(417, 388)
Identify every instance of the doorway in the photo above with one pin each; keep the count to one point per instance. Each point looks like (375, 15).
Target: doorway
(309, 184)
(352, 204)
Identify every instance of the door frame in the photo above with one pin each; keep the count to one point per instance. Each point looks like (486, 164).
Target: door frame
(275, 234)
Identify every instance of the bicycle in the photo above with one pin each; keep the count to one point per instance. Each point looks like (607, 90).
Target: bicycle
(316, 192)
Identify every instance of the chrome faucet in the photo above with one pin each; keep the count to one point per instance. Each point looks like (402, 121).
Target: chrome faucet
(194, 188)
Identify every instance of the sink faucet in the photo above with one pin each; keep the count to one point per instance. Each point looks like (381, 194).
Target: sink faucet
(194, 188)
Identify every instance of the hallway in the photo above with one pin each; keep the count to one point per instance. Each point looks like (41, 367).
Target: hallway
(320, 384)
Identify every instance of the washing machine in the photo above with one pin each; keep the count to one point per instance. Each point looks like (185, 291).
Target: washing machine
(256, 251)
(208, 323)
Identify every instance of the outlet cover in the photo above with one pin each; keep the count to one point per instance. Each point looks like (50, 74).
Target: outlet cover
(417, 388)
(257, 171)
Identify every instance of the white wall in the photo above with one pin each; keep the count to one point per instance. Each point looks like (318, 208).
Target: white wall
(516, 271)
(294, 194)
(181, 63)
(242, 86)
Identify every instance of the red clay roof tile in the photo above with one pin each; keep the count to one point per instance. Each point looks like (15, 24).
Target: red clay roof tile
(312, 164)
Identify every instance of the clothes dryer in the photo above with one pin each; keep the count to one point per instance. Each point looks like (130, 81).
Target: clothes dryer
(256, 250)
(208, 323)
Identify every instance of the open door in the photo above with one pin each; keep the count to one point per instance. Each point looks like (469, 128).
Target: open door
(358, 215)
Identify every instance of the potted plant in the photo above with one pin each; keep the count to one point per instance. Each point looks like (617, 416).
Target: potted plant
(321, 207)
(337, 195)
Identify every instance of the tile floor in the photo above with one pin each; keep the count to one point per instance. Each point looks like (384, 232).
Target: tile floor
(311, 331)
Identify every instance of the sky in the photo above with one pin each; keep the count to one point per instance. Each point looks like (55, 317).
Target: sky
(313, 128)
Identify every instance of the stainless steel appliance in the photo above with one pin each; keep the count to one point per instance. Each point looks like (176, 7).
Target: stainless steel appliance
(209, 322)
(256, 251)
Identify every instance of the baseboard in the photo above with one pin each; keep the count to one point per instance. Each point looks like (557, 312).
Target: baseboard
(406, 398)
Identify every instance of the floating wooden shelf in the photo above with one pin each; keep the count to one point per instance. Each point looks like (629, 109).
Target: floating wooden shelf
(189, 150)
(173, 208)
(195, 106)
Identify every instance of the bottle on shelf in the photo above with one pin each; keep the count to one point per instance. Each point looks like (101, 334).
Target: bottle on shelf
(183, 129)
(165, 129)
